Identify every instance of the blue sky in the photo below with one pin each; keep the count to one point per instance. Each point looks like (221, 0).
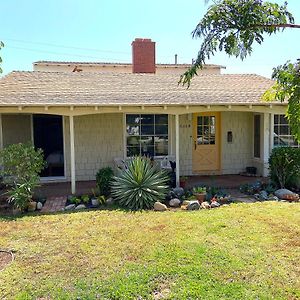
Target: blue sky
(97, 30)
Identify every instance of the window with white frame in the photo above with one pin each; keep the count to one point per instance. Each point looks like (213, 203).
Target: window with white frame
(147, 134)
(282, 132)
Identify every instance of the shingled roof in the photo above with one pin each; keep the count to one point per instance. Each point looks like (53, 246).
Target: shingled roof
(59, 88)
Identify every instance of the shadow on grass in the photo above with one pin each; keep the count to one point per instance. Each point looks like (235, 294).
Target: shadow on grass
(11, 217)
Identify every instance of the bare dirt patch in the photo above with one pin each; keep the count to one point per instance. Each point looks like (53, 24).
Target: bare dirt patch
(6, 258)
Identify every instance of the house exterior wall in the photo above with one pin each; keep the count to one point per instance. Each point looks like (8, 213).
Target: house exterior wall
(119, 68)
(98, 140)
(235, 156)
(15, 129)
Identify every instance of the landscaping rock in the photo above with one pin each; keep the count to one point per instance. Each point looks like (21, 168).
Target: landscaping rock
(95, 202)
(174, 202)
(158, 206)
(193, 205)
(214, 204)
(285, 194)
(31, 206)
(273, 198)
(39, 206)
(205, 205)
(70, 207)
(80, 206)
(256, 196)
(263, 195)
(110, 201)
(186, 202)
(179, 192)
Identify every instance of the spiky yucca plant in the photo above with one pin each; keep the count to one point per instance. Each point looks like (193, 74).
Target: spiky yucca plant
(140, 185)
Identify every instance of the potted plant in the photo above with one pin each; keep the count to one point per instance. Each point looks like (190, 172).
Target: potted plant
(182, 181)
(200, 193)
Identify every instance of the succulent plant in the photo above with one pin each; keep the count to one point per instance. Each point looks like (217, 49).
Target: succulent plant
(140, 184)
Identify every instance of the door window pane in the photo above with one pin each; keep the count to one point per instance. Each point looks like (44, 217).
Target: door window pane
(206, 129)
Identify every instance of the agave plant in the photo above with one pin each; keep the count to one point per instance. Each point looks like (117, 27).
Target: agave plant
(140, 184)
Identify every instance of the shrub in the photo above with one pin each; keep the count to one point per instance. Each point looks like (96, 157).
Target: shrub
(140, 185)
(21, 194)
(285, 166)
(103, 179)
(85, 199)
(21, 167)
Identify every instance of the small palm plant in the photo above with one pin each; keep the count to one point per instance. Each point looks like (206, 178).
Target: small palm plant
(140, 184)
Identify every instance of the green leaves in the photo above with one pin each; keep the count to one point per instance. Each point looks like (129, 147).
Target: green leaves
(233, 26)
(21, 167)
(287, 88)
(140, 185)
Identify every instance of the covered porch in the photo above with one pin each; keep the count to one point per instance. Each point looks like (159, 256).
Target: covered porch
(62, 189)
(203, 140)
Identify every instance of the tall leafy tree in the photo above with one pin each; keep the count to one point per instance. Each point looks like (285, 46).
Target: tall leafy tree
(234, 26)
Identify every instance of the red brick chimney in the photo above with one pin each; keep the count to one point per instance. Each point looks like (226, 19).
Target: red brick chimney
(143, 56)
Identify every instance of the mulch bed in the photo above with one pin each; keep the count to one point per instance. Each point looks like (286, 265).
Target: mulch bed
(6, 257)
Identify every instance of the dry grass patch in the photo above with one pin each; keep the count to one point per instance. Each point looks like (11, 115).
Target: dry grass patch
(242, 251)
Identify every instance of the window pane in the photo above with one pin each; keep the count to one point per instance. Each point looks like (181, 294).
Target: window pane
(133, 140)
(284, 130)
(199, 130)
(161, 119)
(212, 139)
(133, 119)
(147, 119)
(147, 140)
(161, 145)
(283, 119)
(147, 129)
(206, 120)
(147, 134)
(200, 121)
(132, 151)
(147, 151)
(133, 129)
(161, 129)
(282, 133)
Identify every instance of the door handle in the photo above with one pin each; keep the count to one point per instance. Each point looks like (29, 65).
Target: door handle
(195, 144)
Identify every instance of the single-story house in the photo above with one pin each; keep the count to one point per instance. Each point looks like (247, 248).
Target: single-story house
(87, 115)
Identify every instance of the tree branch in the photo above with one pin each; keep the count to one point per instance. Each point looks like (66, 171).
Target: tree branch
(276, 25)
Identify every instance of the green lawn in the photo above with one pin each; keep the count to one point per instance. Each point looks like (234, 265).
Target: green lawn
(242, 251)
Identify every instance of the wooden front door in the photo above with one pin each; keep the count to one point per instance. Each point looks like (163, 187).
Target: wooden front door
(206, 142)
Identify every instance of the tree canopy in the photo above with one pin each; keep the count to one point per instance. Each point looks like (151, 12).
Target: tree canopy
(234, 26)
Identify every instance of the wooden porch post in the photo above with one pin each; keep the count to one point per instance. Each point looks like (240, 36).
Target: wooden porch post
(177, 149)
(72, 148)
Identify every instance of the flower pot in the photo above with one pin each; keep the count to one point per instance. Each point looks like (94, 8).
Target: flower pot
(201, 197)
(31, 206)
